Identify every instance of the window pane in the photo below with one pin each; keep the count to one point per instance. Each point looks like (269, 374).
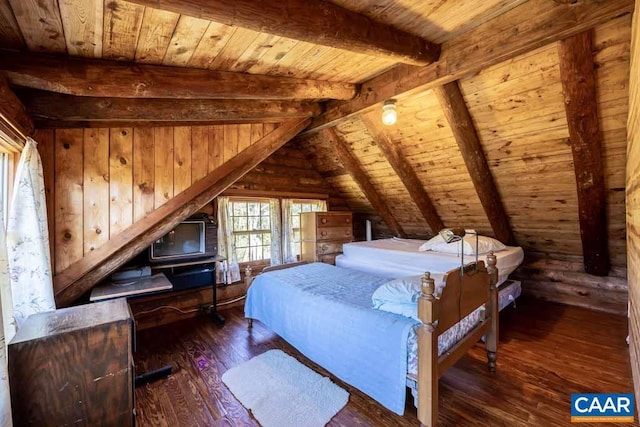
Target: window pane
(256, 253)
(296, 235)
(240, 224)
(266, 252)
(266, 223)
(242, 240)
(295, 209)
(295, 221)
(242, 254)
(254, 223)
(255, 239)
(239, 208)
(264, 208)
(306, 207)
(266, 238)
(254, 208)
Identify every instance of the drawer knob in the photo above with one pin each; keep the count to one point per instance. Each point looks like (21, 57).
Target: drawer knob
(347, 232)
(323, 220)
(323, 248)
(348, 220)
(324, 233)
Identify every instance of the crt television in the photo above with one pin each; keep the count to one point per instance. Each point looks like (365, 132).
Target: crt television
(192, 239)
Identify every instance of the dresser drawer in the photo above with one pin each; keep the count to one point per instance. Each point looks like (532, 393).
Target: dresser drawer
(328, 248)
(335, 233)
(333, 220)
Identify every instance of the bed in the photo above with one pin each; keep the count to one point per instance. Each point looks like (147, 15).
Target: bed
(326, 313)
(398, 257)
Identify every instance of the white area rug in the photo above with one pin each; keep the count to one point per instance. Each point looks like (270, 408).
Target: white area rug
(282, 392)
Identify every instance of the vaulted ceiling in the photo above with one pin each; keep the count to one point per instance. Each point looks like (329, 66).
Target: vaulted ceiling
(463, 73)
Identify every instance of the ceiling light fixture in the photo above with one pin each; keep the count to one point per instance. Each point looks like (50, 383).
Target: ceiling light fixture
(389, 112)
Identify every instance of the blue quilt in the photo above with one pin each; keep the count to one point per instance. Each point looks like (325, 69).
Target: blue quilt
(326, 312)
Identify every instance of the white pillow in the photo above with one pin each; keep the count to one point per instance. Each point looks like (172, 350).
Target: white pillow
(485, 245)
(404, 290)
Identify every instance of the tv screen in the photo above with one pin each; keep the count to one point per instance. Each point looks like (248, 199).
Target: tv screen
(187, 239)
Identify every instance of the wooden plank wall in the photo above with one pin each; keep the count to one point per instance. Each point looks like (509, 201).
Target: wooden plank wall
(99, 181)
(633, 202)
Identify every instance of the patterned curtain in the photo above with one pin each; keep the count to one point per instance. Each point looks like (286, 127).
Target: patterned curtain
(226, 244)
(28, 239)
(276, 232)
(7, 328)
(287, 232)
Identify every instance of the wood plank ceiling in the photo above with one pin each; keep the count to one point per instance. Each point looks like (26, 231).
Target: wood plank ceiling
(500, 56)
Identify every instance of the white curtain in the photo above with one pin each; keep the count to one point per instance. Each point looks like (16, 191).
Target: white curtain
(28, 239)
(276, 230)
(226, 244)
(7, 328)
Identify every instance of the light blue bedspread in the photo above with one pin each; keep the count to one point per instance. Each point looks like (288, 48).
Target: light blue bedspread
(327, 314)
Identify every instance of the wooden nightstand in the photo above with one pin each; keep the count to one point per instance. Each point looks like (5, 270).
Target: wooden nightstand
(322, 235)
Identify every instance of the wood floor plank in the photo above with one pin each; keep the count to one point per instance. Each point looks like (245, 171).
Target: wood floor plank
(547, 351)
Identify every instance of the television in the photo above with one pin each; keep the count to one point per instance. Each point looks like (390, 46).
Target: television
(192, 239)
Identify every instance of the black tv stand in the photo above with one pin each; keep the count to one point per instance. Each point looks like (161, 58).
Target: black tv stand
(180, 272)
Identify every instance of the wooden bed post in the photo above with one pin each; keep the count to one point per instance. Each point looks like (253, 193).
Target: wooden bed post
(428, 354)
(492, 310)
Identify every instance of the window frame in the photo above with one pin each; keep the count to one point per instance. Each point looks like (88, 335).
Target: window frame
(262, 231)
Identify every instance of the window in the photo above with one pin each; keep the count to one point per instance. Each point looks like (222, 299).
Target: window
(297, 207)
(251, 223)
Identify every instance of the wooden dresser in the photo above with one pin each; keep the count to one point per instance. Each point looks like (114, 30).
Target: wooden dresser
(74, 366)
(322, 235)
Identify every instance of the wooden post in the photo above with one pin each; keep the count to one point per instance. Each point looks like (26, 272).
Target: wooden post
(428, 353)
(492, 310)
(577, 72)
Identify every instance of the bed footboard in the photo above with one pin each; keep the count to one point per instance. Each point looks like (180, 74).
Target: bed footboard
(465, 291)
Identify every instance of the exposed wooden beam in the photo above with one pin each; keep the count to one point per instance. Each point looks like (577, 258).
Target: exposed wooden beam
(457, 114)
(54, 106)
(320, 22)
(577, 72)
(113, 79)
(351, 164)
(76, 124)
(405, 172)
(529, 26)
(14, 119)
(82, 275)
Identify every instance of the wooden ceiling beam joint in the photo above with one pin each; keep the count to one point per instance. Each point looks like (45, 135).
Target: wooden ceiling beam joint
(406, 174)
(531, 25)
(464, 131)
(351, 164)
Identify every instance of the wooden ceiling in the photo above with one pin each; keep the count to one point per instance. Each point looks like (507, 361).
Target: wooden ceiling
(495, 90)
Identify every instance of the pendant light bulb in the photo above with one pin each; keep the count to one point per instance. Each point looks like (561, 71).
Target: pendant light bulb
(389, 112)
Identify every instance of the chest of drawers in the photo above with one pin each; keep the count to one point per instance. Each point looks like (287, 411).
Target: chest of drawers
(322, 235)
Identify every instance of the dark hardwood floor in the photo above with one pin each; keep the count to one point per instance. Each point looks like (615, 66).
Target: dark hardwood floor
(547, 351)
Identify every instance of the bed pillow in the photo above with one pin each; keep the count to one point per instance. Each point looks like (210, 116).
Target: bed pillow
(404, 290)
(485, 245)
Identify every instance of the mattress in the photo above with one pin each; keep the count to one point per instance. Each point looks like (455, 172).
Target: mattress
(394, 258)
(507, 294)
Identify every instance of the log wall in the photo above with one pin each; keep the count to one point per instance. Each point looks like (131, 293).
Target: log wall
(633, 203)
